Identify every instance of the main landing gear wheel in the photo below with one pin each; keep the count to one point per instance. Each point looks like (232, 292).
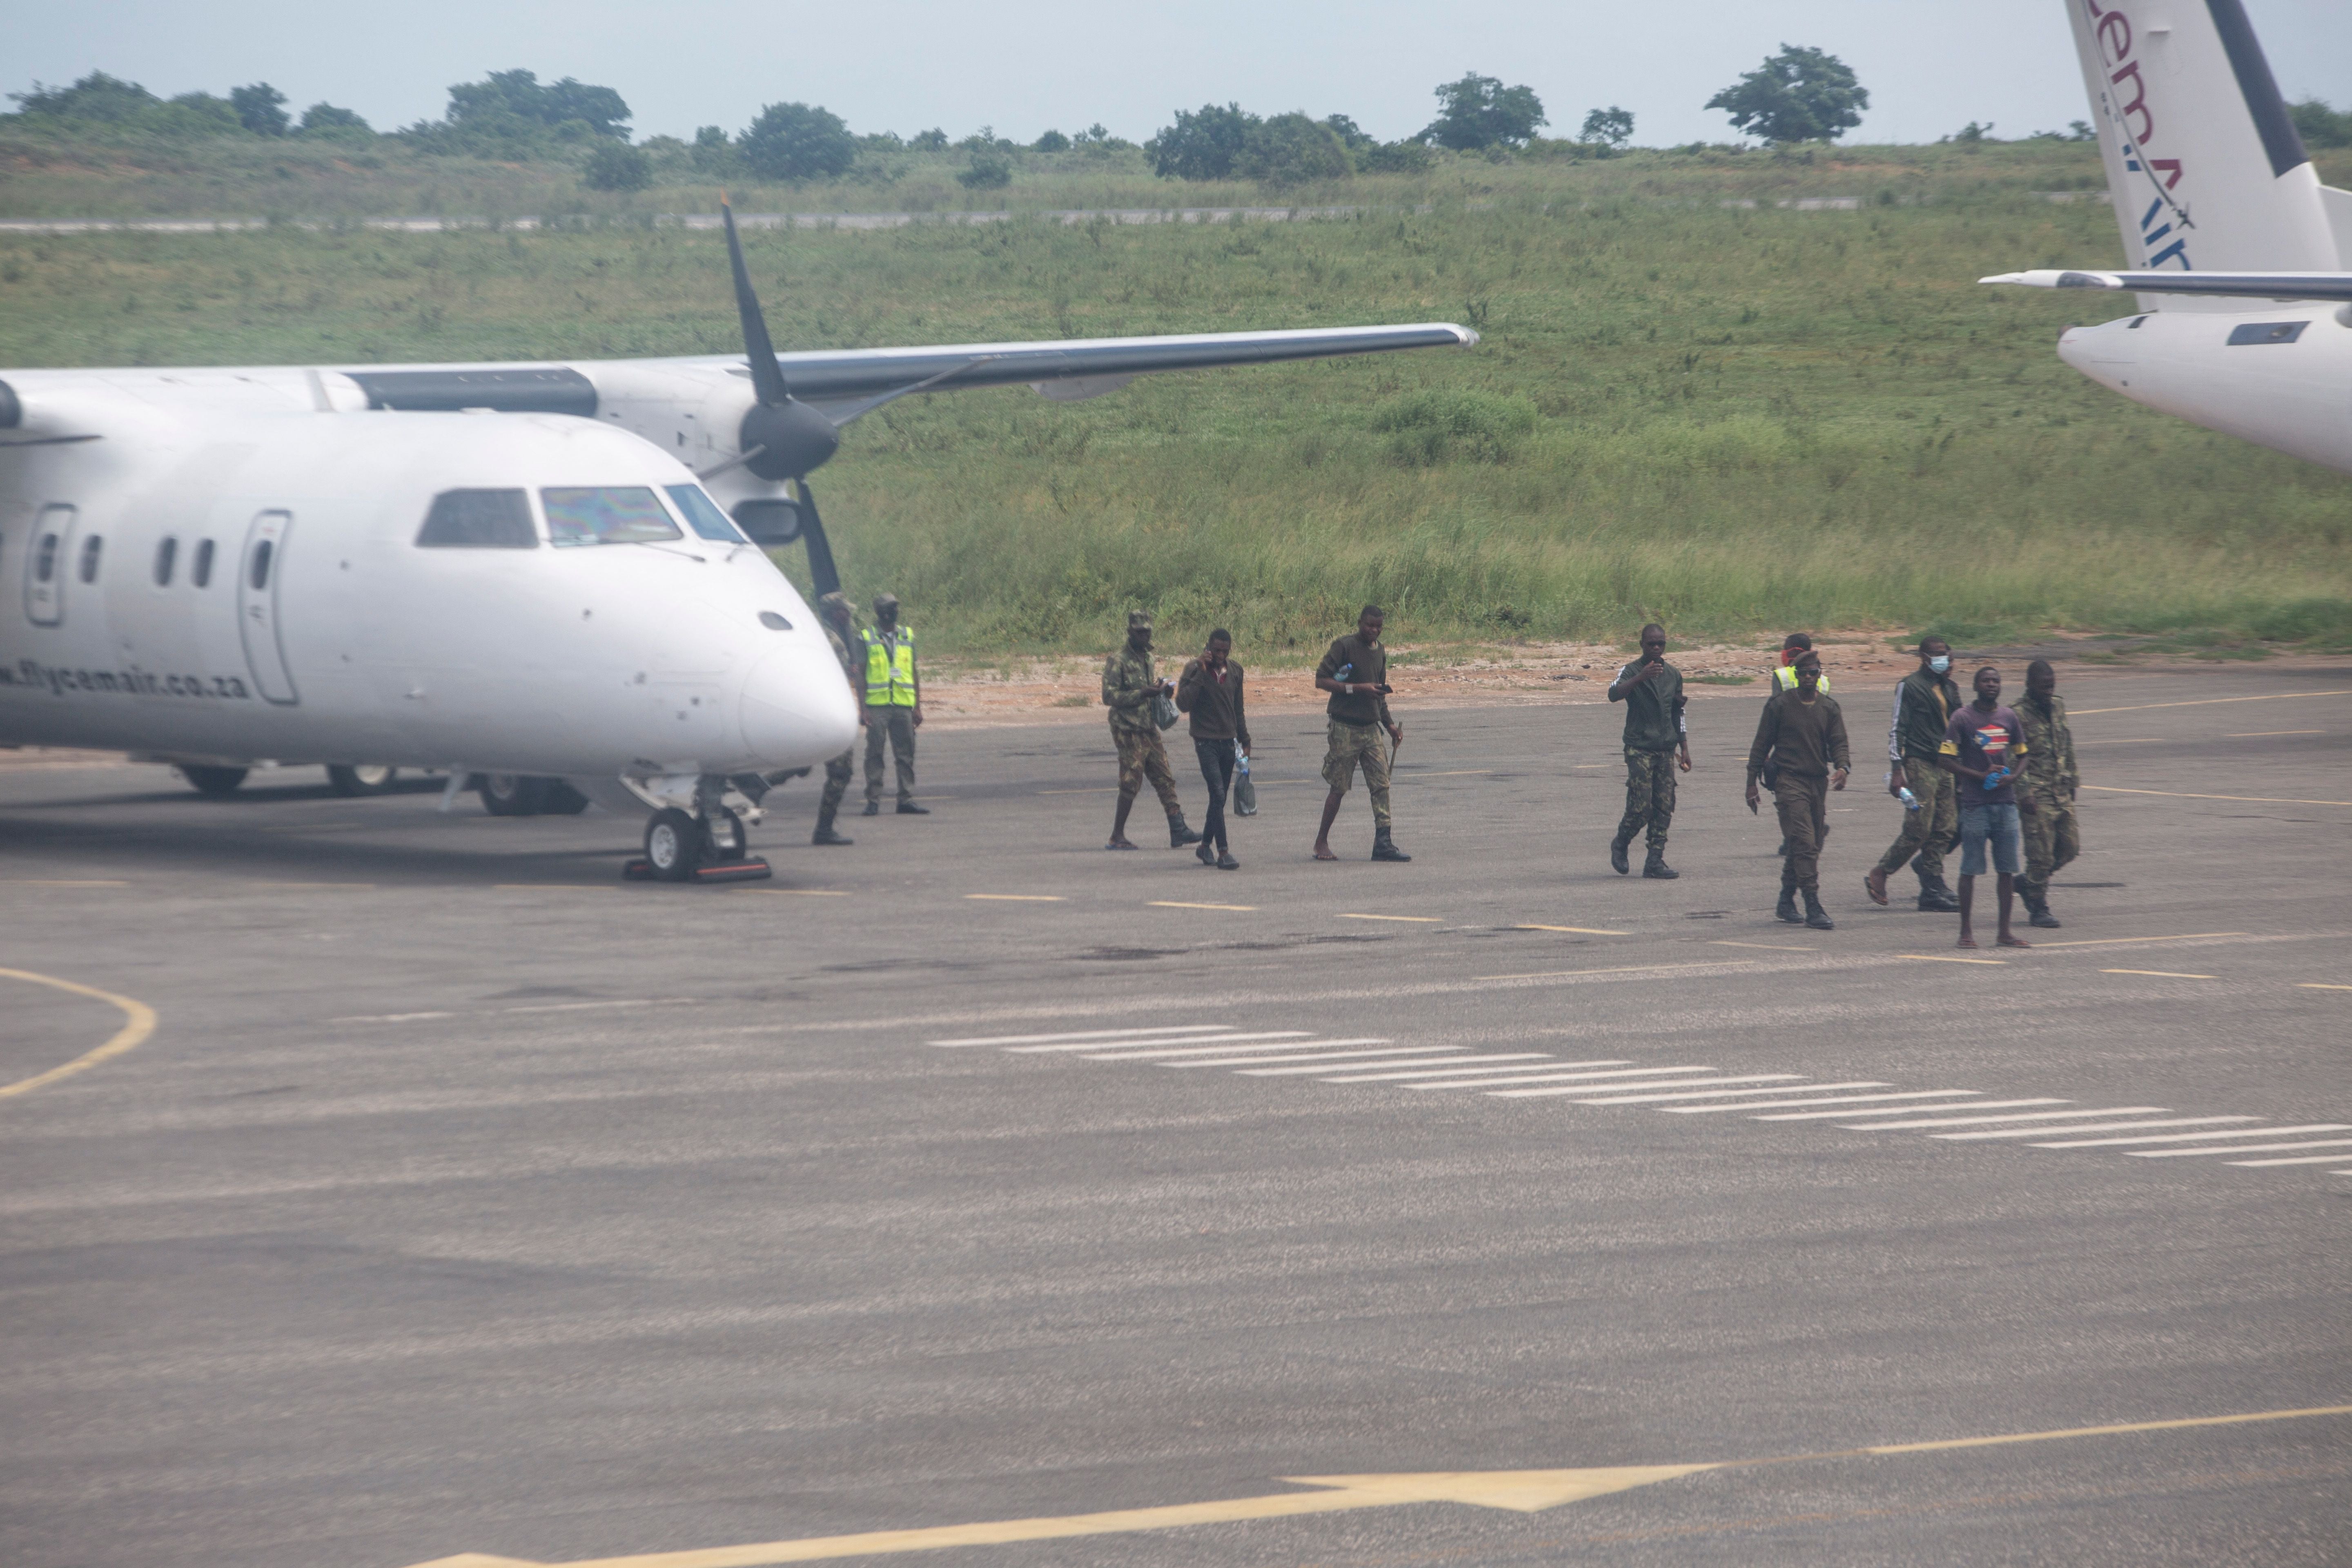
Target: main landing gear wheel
(674, 845)
(561, 799)
(361, 778)
(212, 784)
(512, 794)
(707, 844)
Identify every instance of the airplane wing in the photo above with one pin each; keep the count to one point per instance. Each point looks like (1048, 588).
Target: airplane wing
(2248, 285)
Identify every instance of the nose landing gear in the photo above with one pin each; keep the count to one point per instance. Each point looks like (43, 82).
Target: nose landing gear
(705, 845)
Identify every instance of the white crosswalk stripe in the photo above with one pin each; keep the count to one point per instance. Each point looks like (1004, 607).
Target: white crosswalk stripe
(1691, 1089)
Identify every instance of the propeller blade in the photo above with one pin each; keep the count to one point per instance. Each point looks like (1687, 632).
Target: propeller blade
(767, 376)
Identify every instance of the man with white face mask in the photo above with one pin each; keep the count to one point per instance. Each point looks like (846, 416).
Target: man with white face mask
(1925, 702)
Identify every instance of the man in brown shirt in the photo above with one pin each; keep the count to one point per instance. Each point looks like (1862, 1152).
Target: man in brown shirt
(1356, 673)
(1801, 740)
(1210, 691)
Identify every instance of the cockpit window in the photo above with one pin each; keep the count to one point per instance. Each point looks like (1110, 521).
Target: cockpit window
(479, 520)
(703, 514)
(606, 514)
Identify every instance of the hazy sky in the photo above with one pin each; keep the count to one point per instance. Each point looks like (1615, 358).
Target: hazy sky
(1027, 65)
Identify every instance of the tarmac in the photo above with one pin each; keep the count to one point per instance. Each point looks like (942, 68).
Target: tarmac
(381, 1185)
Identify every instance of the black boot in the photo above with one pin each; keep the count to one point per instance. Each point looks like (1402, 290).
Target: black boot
(1179, 834)
(1384, 848)
(1656, 869)
(909, 808)
(1815, 916)
(1935, 899)
(2037, 903)
(1617, 861)
(825, 833)
(1787, 907)
(873, 808)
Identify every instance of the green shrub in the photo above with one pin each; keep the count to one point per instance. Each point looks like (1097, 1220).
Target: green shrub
(617, 167)
(2324, 623)
(1437, 425)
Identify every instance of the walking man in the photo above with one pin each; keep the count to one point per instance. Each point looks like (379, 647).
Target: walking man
(2051, 837)
(1800, 746)
(894, 705)
(841, 632)
(1792, 648)
(1128, 685)
(1924, 701)
(1652, 691)
(1355, 671)
(1984, 745)
(1210, 692)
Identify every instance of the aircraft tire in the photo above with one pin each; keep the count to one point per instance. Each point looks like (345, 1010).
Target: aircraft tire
(212, 784)
(361, 778)
(563, 800)
(512, 794)
(674, 844)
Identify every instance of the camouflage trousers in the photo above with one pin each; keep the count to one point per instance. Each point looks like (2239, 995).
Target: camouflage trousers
(1354, 746)
(2053, 839)
(897, 727)
(1804, 805)
(838, 772)
(1649, 798)
(1929, 830)
(1142, 757)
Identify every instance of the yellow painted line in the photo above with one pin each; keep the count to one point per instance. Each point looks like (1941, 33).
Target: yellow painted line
(2317, 985)
(2126, 940)
(2265, 734)
(1519, 1491)
(1579, 930)
(1947, 958)
(1172, 904)
(797, 892)
(2205, 701)
(2184, 794)
(2159, 974)
(552, 887)
(1414, 919)
(1775, 946)
(47, 882)
(1621, 969)
(1018, 898)
(1104, 789)
(139, 1022)
(364, 885)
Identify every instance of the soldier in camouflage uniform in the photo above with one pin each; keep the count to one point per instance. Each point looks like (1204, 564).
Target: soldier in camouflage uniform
(1652, 691)
(841, 632)
(2051, 837)
(1128, 685)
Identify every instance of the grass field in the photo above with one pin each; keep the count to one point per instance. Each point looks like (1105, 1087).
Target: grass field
(1731, 419)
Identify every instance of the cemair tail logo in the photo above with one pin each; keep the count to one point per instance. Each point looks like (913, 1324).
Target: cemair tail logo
(2123, 103)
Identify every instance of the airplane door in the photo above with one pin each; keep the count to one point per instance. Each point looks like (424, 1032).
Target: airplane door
(47, 555)
(257, 577)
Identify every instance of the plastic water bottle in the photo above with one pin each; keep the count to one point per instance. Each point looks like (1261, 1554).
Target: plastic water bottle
(1241, 764)
(1910, 801)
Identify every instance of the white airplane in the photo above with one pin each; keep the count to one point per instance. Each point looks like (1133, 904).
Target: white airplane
(2238, 253)
(549, 576)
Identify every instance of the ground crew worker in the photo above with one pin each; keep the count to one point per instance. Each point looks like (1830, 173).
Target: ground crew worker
(1128, 685)
(1925, 702)
(1355, 671)
(1800, 743)
(1784, 678)
(894, 705)
(1652, 691)
(841, 632)
(2051, 836)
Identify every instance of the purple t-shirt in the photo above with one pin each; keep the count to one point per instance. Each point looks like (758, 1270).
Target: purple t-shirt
(1980, 740)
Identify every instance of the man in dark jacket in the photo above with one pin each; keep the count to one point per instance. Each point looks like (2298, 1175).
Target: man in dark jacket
(1801, 740)
(1652, 691)
(1925, 702)
(1210, 691)
(1355, 671)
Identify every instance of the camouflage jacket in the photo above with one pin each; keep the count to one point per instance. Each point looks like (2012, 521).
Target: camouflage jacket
(853, 664)
(1127, 683)
(2048, 746)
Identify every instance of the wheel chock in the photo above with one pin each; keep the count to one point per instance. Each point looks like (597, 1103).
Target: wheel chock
(751, 869)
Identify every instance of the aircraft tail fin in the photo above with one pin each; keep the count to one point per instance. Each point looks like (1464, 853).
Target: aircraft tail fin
(2207, 168)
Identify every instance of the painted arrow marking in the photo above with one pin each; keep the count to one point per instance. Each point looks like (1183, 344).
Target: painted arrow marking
(1522, 1491)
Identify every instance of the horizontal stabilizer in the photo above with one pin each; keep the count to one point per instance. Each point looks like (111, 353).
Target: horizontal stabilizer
(2242, 285)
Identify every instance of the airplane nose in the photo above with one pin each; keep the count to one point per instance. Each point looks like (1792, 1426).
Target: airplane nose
(797, 710)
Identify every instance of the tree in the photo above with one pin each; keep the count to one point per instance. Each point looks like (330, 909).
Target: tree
(1478, 112)
(1612, 126)
(1352, 135)
(617, 166)
(712, 153)
(798, 142)
(1052, 142)
(989, 170)
(2322, 126)
(516, 100)
(96, 95)
(260, 108)
(327, 120)
(931, 140)
(1797, 95)
(1202, 146)
(1292, 150)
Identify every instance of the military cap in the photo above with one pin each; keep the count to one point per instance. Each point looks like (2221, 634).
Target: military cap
(836, 600)
(882, 599)
(1138, 620)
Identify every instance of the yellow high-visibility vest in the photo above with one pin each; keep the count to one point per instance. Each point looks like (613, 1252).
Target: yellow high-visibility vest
(889, 670)
(1784, 678)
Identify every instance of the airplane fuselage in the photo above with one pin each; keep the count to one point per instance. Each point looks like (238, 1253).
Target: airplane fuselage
(2279, 375)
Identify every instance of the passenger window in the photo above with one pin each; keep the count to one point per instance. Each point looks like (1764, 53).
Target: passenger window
(606, 514)
(703, 514)
(259, 576)
(167, 556)
(91, 549)
(479, 520)
(45, 562)
(200, 570)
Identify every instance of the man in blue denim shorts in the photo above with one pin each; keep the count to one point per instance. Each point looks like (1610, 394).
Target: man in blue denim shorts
(1984, 745)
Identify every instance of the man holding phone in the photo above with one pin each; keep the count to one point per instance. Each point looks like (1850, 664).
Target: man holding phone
(1355, 672)
(1652, 691)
